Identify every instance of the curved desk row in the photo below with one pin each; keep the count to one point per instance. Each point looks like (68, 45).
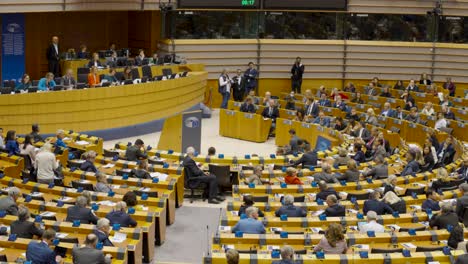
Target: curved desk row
(99, 109)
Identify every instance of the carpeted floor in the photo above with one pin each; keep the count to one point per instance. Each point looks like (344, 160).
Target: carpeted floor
(186, 239)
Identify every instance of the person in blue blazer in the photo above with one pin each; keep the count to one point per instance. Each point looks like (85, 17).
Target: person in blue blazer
(250, 76)
(322, 120)
(40, 253)
(11, 145)
(413, 166)
(47, 83)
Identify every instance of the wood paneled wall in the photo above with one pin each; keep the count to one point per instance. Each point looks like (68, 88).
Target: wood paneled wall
(133, 29)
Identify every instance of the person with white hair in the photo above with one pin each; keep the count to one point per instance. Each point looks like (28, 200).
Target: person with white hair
(224, 88)
(287, 255)
(80, 212)
(250, 225)
(325, 175)
(372, 224)
(88, 165)
(102, 232)
(289, 209)
(195, 175)
(119, 216)
(46, 164)
(59, 141)
(8, 203)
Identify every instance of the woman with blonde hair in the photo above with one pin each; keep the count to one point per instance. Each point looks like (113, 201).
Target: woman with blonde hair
(390, 184)
(442, 179)
(395, 202)
(342, 158)
(370, 117)
(333, 242)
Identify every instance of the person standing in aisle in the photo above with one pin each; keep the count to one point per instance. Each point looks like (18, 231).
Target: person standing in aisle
(297, 71)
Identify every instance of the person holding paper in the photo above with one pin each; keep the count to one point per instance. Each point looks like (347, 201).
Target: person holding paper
(23, 228)
(80, 212)
(88, 165)
(102, 232)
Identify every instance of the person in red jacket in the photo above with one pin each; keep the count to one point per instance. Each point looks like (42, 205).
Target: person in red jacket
(291, 177)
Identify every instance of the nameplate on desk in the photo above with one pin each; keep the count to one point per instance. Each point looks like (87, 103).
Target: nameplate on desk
(249, 116)
(397, 121)
(320, 128)
(237, 104)
(425, 129)
(305, 125)
(461, 125)
(412, 125)
(291, 112)
(373, 98)
(327, 109)
(230, 112)
(431, 117)
(360, 106)
(287, 122)
(420, 94)
(391, 100)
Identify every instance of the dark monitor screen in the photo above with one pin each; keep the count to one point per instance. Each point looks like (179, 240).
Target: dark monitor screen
(322, 144)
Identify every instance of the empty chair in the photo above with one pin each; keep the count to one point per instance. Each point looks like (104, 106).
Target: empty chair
(223, 175)
(135, 73)
(85, 185)
(73, 240)
(155, 162)
(83, 70)
(260, 199)
(122, 172)
(82, 78)
(146, 70)
(358, 196)
(418, 191)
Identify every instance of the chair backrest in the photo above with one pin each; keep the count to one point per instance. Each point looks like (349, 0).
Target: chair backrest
(395, 130)
(27, 161)
(73, 240)
(119, 76)
(85, 186)
(155, 162)
(110, 153)
(260, 199)
(135, 73)
(146, 70)
(35, 82)
(358, 196)
(82, 78)
(418, 191)
(121, 172)
(167, 71)
(83, 70)
(426, 249)
(33, 89)
(223, 174)
(6, 90)
(74, 163)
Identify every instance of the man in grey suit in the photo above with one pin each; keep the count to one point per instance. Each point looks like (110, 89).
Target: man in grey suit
(462, 259)
(80, 212)
(9, 203)
(462, 202)
(287, 255)
(325, 175)
(289, 209)
(293, 142)
(379, 170)
(89, 254)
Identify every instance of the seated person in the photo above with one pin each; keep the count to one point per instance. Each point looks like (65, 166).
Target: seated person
(333, 242)
(359, 156)
(342, 158)
(139, 59)
(59, 139)
(291, 176)
(11, 144)
(136, 151)
(39, 251)
(353, 115)
(351, 174)
(271, 112)
(322, 120)
(373, 204)
(127, 74)
(93, 77)
(462, 201)
(250, 225)
(102, 232)
(442, 180)
(340, 104)
(111, 77)
(256, 177)
(325, 191)
(89, 253)
(379, 170)
(80, 212)
(25, 83)
(412, 167)
(141, 171)
(68, 81)
(413, 116)
(248, 202)
(211, 152)
(387, 110)
(248, 106)
(47, 83)
(324, 100)
(83, 53)
(287, 256)
(290, 103)
(194, 173)
(390, 184)
(396, 203)
(119, 216)
(113, 60)
(102, 185)
(309, 158)
(23, 228)
(325, 175)
(88, 165)
(372, 224)
(289, 209)
(463, 170)
(95, 62)
(446, 217)
(432, 201)
(339, 124)
(334, 208)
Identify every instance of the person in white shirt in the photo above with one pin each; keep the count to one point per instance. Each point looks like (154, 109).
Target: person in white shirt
(46, 164)
(224, 88)
(371, 225)
(428, 109)
(441, 122)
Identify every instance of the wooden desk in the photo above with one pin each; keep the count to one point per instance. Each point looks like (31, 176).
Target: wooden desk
(245, 126)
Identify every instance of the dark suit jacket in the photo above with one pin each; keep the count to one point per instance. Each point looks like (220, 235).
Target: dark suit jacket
(36, 137)
(323, 176)
(291, 211)
(449, 115)
(68, 81)
(335, 210)
(378, 172)
(122, 218)
(247, 108)
(411, 168)
(139, 173)
(274, 113)
(359, 156)
(51, 54)
(40, 253)
(88, 166)
(133, 153)
(462, 259)
(91, 63)
(250, 76)
(79, 213)
(87, 255)
(25, 229)
(324, 122)
(323, 194)
(462, 202)
(377, 206)
(103, 238)
(307, 159)
(399, 206)
(313, 109)
(389, 188)
(443, 220)
(324, 102)
(365, 135)
(341, 106)
(350, 176)
(192, 167)
(235, 83)
(7, 204)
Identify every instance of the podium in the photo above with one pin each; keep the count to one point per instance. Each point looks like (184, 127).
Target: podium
(245, 126)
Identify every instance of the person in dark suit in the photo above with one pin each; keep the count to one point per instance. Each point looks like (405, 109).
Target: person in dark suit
(462, 202)
(311, 108)
(88, 254)
(238, 86)
(8, 203)
(22, 227)
(325, 191)
(248, 202)
(95, 61)
(287, 255)
(379, 170)
(136, 152)
(196, 174)
(119, 216)
(424, 80)
(248, 106)
(80, 212)
(409, 101)
(83, 53)
(40, 253)
(325, 175)
(334, 209)
(446, 152)
(373, 204)
(141, 171)
(447, 113)
(359, 155)
(102, 232)
(112, 61)
(371, 90)
(412, 87)
(359, 131)
(309, 158)
(324, 100)
(68, 81)
(289, 209)
(53, 56)
(399, 114)
(35, 133)
(351, 174)
(293, 142)
(271, 111)
(88, 165)
(463, 170)
(340, 104)
(322, 120)
(432, 200)
(445, 218)
(139, 59)
(413, 166)
(250, 76)
(297, 71)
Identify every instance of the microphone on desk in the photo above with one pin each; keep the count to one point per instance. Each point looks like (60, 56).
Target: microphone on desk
(219, 222)
(208, 252)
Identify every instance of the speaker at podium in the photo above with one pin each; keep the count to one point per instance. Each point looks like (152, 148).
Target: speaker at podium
(181, 131)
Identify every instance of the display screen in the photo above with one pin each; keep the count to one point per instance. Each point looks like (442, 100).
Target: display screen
(219, 4)
(305, 4)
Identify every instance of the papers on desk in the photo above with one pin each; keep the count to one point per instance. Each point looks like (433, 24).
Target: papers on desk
(66, 139)
(276, 229)
(265, 118)
(310, 178)
(115, 186)
(225, 229)
(397, 188)
(361, 247)
(369, 190)
(65, 198)
(85, 181)
(316, 230)
(61, 235)
(353, 228)
(433, 262)
(353, 211)
(343, 195)
(396, 228)
(160, 176)
(79, 161)
(451, 201)
(144, 189)
(36, 194)
(48, 214)
(118, 237)
(82, 143)
(408, 245)
(227, 247)
(424, 223)
(108, 166)
(312, 196)
(235, 213)
(317, 213)
(280, 178)
(416, 207)
(106, 203)
(270, 248)
(143, 208)
(1, 249)
(279, 195)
